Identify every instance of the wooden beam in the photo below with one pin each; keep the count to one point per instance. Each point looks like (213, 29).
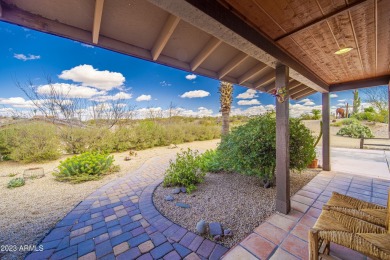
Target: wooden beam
(204, 53)
(1, 10)
(224, 16)
(97, 20)
(293, 85)
(303, 94)
(363, 83)
(233, 63)
(270, 86)
(251, 73)
(325, 132)
(164, 36)
(388, 103)
(282, 144)
(321, 19)
(265, 79)
(298, 89)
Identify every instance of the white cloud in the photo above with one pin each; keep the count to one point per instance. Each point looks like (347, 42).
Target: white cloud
(165, 84)
(91, 77)
(342, 100)
(333, 95)
(18, 102)
(341, 104)
(304, 100)
(87, 45)
(248, 102)
(195, 94)
(69, 90)
(191, 76)
(143, 98)
(25, 58)
(309, 103)
(297, 109)
(250, 93)
(251, 111)
(118, 96)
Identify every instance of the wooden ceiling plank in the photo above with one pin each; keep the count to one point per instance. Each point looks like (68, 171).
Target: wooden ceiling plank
(383, 38)
(97, 20)
(376, 36)
(265, 79)
(304, 93)
(321, 19)
(165, 34)
(251, 73)
(356, 41)
(211, 45)
(269, 86)
(363, 83)
(232, 64)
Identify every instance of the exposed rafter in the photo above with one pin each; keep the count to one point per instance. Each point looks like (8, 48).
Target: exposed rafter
(363, 83)
(321, 19)
(298, 89)
(251, 73)
(233, 63)
(304, 93)
(164, 36)
(265, 79)
(291, 85)
(212, 44)
(97, 20)
(270, 86)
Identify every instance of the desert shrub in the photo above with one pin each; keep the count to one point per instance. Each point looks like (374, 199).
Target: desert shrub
(185, 170)
(16, 182)
(211, 161)
(370, 114)
(369, 109)
(84, 167)
(346, 121)
(251, 148)
(356, 131)
(31, 142)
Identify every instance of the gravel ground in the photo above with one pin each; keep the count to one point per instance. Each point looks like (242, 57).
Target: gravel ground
(27, 213)
(236, 201)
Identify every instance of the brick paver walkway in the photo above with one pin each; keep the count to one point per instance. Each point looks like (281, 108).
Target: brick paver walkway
(119, 221)
(285, 236)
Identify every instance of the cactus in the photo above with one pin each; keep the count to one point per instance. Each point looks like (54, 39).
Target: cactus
(319, 137)
(356, 101)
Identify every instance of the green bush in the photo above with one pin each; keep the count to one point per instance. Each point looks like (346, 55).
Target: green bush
(346, 121)
(211, 161)
(356, 131)
(371, 115)
(251, 148)
(16, 182)
(84, 167)
(185, 171)
(369, 109)
(31, 142)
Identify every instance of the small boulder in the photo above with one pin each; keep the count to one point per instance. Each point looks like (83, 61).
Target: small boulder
(267, 185)
(127, 158)
(215, 229)
(183, 189)
(182, 205)
(227, 233)
(217, 238)
(201, 227)
(172, 146)
(176, 191)
(169, 198)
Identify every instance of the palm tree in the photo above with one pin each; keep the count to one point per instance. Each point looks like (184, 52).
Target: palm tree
(225, 98)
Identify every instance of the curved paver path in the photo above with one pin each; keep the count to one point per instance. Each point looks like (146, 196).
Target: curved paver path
(120, 221)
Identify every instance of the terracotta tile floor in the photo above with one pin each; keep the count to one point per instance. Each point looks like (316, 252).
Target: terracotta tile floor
(285, 236)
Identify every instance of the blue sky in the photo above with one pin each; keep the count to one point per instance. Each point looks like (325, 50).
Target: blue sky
(94, 73)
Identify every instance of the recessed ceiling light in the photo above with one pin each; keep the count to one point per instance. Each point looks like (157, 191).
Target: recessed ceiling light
(343, 50)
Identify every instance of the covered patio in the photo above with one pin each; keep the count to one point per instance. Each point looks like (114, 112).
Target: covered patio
(293, 49)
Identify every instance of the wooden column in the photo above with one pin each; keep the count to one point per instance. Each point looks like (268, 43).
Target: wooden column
(325, 132)
(282, 144)
(388, 104)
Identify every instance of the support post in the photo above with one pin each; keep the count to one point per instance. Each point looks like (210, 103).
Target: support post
(282, 143)
(388, 104)
(325, 132)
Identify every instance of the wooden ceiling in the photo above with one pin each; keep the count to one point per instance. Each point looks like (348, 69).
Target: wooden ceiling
(312, 30)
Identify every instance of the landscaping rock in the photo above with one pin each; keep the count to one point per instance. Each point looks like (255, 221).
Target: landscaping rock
(201, 227)
(182, 205)
(227, 233)
(176, 191)
(172, 146)
(169, 198)
(217, 238)
(215, 229)
(183, 189)
(267, 185)
(127, 158)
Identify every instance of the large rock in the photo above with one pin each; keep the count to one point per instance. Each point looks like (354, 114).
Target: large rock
(201, 227)
(215, 229)
(169, 198)
(227, 233)
(183, 189)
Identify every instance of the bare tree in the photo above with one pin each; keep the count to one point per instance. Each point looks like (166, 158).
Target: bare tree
(377, 97)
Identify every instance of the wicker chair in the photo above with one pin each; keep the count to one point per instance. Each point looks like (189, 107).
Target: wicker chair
(357, 208)
(354, 224)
